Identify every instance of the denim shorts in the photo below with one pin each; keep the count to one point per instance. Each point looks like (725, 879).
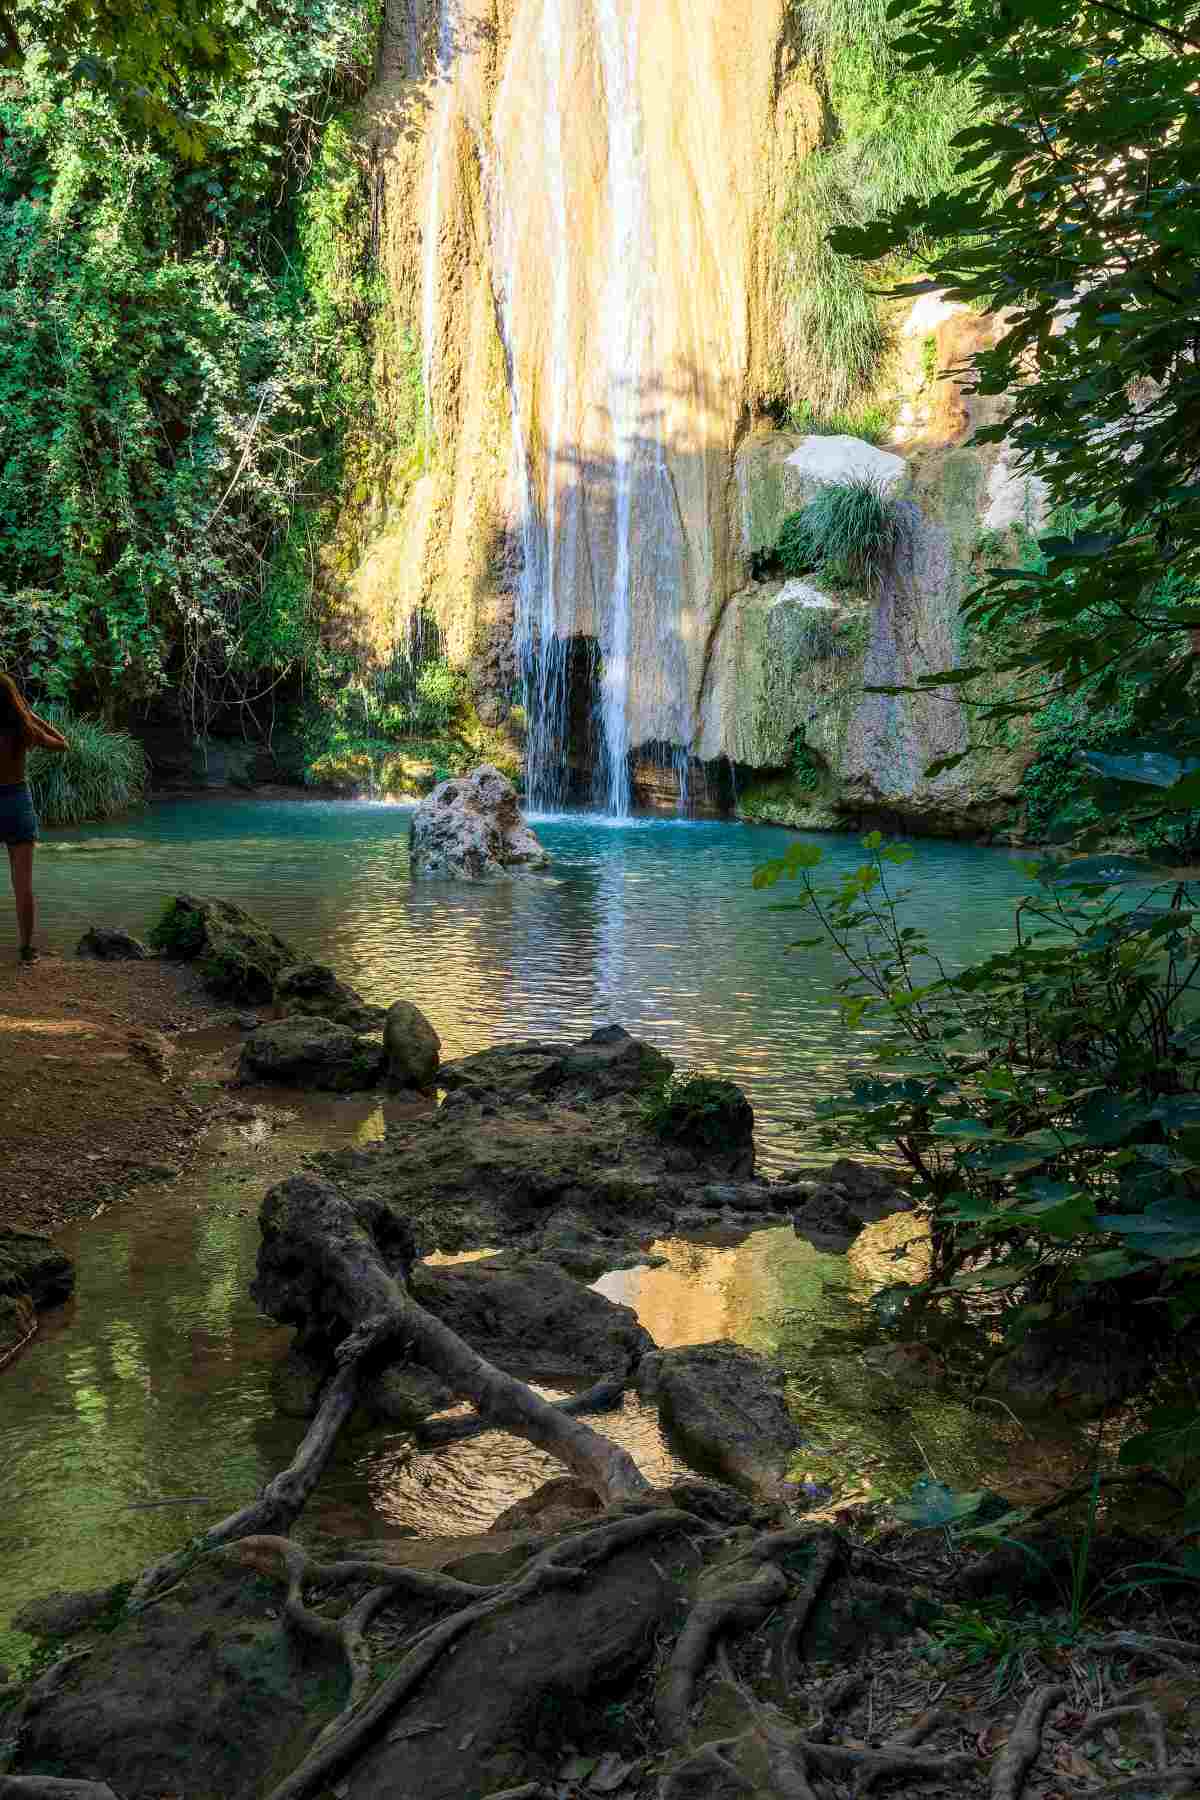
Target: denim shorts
(18, 821)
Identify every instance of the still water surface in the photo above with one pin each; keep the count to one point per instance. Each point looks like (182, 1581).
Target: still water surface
(650, 923)
(154, 1384)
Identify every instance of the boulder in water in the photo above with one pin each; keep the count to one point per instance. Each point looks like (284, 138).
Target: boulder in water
(238, 957)
(312, 990)
(413, 1047)
(101, 944)
(724, 1407)
(312, 1053)
(471, 828)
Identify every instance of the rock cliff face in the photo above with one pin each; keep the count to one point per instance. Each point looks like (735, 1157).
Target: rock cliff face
(578, 204)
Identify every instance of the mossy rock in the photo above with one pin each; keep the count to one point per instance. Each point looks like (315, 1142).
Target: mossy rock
(316, 1053)
(33, 1267)
(239, 957)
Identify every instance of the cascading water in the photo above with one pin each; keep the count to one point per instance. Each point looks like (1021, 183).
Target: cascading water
(431, 237)
(541, 633)
(626, 343)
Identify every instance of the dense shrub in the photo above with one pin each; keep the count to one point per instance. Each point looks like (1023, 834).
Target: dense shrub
(102, 772)
(180, 361)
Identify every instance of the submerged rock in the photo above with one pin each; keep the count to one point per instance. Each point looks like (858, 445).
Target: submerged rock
(239, 958)
(312, 1053)
(471, 828)
(724, 1407)
(413, 1047)
(312, 990)
(102, 944)
(1075, 1373)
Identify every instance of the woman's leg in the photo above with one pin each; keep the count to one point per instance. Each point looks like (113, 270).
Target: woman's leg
(20, 862)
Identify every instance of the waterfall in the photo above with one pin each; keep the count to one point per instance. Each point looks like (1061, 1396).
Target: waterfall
(431, 236)
(625, 347)
(542, 627)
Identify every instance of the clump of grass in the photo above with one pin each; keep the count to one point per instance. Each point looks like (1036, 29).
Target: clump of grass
(890, 140)
(102, 773)
(850, 527)
(872, 421)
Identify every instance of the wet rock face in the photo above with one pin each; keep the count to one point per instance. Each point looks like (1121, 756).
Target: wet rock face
(607, 1064)
(312, 990)
(312, 1053)
(832, 1211)
(471, 829)
(239, 958)
(412, 1046)
(724, 1407)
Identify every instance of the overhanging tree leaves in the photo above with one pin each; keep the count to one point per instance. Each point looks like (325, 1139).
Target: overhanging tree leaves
(1078, 220)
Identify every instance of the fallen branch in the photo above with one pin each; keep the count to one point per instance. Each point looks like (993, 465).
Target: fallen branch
(1025, 1742)
(1163, 1781)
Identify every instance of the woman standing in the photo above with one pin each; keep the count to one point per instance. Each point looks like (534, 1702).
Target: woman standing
(21, 731)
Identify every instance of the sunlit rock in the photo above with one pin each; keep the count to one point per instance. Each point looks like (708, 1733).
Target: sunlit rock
(820, 461)
(471, 828)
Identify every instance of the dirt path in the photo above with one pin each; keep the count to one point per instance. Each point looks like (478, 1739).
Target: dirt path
(91, 1099)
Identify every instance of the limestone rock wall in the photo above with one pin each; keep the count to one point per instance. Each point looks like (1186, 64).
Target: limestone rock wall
(577, 205)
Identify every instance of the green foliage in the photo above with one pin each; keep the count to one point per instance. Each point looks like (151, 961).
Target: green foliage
(888, 138)
(695, 1107)
(870, 420)
(101, 773)
(807, 767)
(178, 367)
(849, 528)
(1076, 215)
(1045, 1100)
(144, 55)
(178, 932)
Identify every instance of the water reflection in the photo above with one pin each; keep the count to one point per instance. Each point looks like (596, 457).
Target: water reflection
(652, 923)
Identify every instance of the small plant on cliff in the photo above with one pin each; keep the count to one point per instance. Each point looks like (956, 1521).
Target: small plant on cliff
(102, 773)
(849, 526)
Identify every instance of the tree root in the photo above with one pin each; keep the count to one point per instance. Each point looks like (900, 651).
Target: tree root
(50, 1787)
(1025, 1741)
(1163, 1781)
(308, 1218)
(936, 1719)
(603, 1396)
(826, 1549)
(1151, 1720)
(281, 1501)
(1171, 1653)
(560, 1565)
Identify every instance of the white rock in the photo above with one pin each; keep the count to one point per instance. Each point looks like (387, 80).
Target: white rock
(1013, 498)
(928, 312)
(800, 593)
(820, 461)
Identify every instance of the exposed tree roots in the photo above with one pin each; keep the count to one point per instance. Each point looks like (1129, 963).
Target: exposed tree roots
(774, 1581)
(1025, 1740)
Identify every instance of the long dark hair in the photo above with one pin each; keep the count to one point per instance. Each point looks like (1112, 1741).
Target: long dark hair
(12, 710)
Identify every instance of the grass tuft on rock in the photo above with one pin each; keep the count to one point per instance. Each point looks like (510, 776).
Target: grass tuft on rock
(851, 528)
